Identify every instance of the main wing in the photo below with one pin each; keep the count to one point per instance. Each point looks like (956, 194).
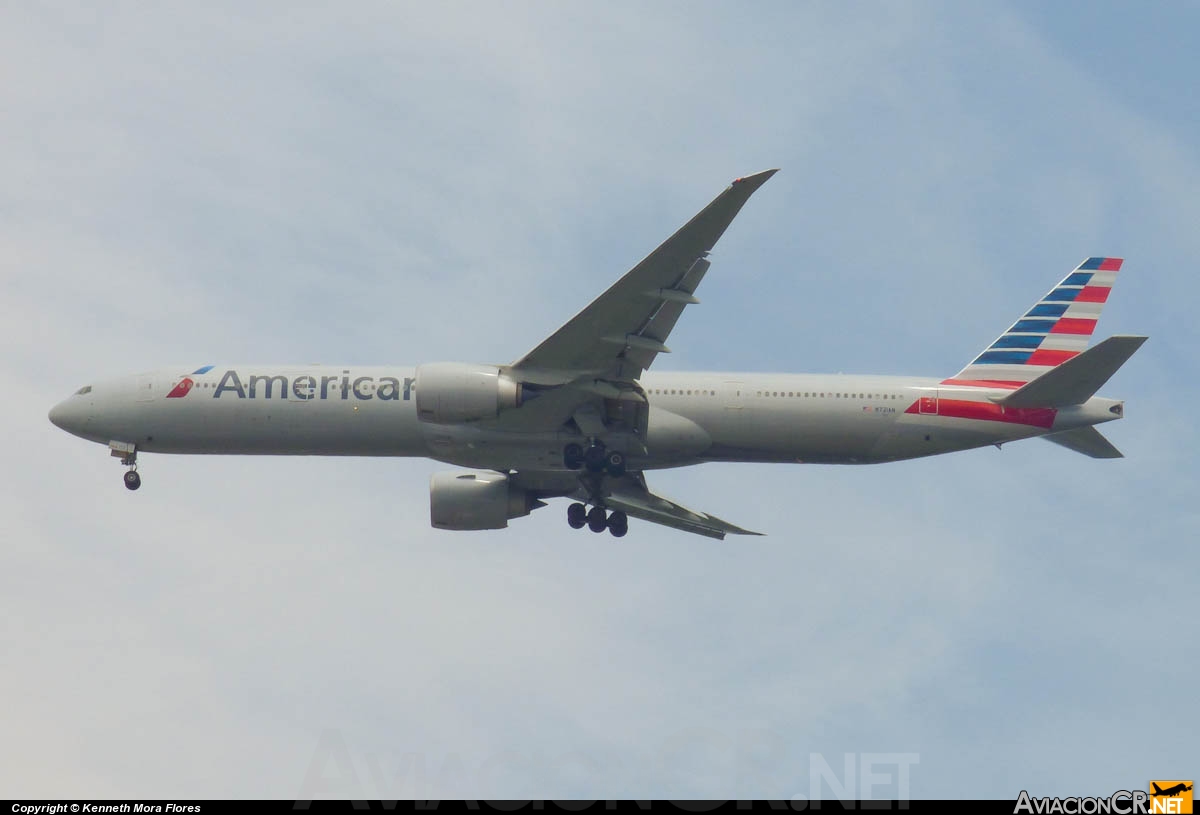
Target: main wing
(621, 332)
(630, 495)
(584, 375)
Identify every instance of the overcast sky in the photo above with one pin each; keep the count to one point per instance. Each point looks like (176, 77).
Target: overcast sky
(398, 183)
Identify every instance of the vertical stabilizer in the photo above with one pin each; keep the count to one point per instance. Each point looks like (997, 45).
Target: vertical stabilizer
(1057, 328)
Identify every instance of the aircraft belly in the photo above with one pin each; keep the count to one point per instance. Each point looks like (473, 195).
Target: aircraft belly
(785, 434)
(918, 436)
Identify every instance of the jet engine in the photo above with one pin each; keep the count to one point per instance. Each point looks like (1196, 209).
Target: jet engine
(457, 392)
(476, 500)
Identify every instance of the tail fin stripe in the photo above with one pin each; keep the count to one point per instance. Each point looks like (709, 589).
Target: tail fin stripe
(1073, 325)
(1049, 356)
(1094, 294)
(1009, 384)
(1077, 279)
(1019, 341)
(1102, 264)
(1065, 342)
(1078, 309)
(1032, 326)
(1047, 310)
(1003, 358)
(1065, 295)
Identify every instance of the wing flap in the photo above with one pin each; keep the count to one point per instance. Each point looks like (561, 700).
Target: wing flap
(632, 497)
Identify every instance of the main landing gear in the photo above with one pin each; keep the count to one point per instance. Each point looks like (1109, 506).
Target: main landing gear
(598, 461)
(596, 458)
(597, 519)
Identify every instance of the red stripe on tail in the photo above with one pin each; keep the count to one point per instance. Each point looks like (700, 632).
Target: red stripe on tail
(1093, 294)
(1047, 356)
(1073, 325)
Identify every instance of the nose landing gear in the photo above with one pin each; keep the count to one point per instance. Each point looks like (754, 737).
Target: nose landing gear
(128, 455)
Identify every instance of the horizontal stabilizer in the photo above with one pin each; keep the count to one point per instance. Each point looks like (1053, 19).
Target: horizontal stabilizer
(1086, 440)
(1075, 381)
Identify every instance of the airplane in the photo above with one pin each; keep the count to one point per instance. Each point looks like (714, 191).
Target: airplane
(581, 417)
(1170, 791)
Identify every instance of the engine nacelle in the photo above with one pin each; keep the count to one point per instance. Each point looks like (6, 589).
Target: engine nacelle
(476, 500)
(457, 392)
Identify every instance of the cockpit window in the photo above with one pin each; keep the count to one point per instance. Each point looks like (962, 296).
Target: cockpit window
(83, 390)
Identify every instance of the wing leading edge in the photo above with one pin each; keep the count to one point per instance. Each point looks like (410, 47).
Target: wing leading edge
(620, 333)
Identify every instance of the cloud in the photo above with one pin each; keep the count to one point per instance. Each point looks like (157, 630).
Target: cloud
(392, 185)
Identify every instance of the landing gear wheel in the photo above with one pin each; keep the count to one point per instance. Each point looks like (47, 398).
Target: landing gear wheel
(597, 519)
(132, 479)
(618, 524)
(614, 464)
(593, 459)
(573, 456)
(577, 515)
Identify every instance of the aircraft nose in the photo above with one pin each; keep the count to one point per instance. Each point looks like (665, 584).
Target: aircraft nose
(69, 415)
(58, 415)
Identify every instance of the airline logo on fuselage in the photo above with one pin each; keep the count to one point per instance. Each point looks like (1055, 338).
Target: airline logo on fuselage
(304, 387)
(182, 389)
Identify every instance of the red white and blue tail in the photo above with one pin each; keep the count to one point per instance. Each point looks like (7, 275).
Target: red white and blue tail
(1057, 328)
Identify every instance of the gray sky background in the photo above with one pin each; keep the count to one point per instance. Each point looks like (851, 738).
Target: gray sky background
(397, 183)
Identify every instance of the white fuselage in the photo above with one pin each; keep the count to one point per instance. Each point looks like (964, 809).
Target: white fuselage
(694, 417)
